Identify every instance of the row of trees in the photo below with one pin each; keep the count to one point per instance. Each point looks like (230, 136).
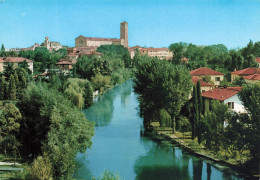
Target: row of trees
(216, 57)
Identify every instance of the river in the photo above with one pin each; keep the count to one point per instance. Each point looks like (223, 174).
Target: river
(119, 147)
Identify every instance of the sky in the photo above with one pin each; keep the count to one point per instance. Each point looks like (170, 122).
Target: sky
(151, 23)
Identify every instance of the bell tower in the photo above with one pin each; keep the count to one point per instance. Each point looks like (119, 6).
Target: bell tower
(124, 33)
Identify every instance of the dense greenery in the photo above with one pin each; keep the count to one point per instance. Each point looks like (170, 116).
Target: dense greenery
(51, 124)
(216, 57)
(161, 85)
(43, 59)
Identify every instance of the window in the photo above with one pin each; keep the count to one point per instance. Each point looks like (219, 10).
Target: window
(217, 78)
(231, 105)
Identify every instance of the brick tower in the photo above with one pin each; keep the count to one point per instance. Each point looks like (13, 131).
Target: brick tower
(124, 33)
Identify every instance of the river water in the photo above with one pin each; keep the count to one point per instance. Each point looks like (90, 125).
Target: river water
(119, 147)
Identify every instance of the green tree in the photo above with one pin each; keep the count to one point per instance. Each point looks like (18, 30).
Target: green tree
(41, 168)
(195, 108)
(250, 61)
(176, 88)
(2, 88)
(10, 125)
(178, 50)
(12, 88)
(51, 124)
(8, 70)
(250, 96)
(3, 48)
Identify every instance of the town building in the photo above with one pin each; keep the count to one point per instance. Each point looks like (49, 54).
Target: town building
(160, 53)
(203, 85)
(215, 76)
(255, 78)
(65, 66)
(15, 61)
(83, 41)
(244, 72)
(228, 96)
(51, 45)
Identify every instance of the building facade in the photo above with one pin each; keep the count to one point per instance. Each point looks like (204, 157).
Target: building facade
(83, 41)
(15, 61)
(160, 53)
(244, 72)
(215, 76)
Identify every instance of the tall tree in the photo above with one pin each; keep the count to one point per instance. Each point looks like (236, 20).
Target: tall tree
(12, 88)
(3, 48)
(200, 111)
(176, 88)
(2, 88)
(178, 50)
(195, 107)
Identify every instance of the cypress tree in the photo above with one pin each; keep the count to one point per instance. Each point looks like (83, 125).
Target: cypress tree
(200, 102)
(3, 48)
(23, 82)
(2, 88)
(195, 112)
(12, 88)
(16, 80)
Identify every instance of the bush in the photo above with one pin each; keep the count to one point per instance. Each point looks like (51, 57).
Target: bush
(41, 168)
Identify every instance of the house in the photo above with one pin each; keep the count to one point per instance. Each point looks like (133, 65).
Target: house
(83, 41)
(228, 95)
(65, 66)
(244, 72)
(258, 61)
(255, 78)
(160, 53)
(215, 76)
(203, 85)
(75, 52)
(15, 61)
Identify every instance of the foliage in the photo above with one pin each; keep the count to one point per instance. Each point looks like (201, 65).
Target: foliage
(250, 96)
(3, 48)
(119, 76)
(53, 125)
(107, 175)
(41, 168)
(161, 85)
(9, 129)
(12, 89)
(80, 92)
(239, 81)
(213, 125)
(178, 50)
(113, 50)
(101, 82)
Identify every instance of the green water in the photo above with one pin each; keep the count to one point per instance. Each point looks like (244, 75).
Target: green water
(119, 147)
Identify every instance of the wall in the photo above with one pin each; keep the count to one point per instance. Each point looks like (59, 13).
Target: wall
(238, 106)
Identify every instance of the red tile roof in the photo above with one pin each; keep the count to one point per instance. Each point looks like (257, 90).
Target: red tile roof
(204, 71)
(64, 62)
(253, 77)
(257, 59)
(221, 93)
(135, 47)
(247, 71)
(202, 83)
(14, 59)
(101, 39)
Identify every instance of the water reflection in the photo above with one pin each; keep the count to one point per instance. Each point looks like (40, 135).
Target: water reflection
(119, 146)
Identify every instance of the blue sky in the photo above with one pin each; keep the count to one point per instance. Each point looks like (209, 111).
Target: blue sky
(151, 23)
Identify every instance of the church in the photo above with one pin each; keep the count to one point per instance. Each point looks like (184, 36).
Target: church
(83, 41)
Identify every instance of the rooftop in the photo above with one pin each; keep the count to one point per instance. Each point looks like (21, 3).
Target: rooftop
(257, 59)
(14, 59)
(247, 71)
(253, 77)
(202, 83)
(101, 39)
(221, 93)
(204, 71)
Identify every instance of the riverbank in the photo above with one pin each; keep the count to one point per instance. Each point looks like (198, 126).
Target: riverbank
(185, 142)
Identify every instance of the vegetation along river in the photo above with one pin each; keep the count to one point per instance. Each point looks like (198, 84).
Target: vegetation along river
(119, 147)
